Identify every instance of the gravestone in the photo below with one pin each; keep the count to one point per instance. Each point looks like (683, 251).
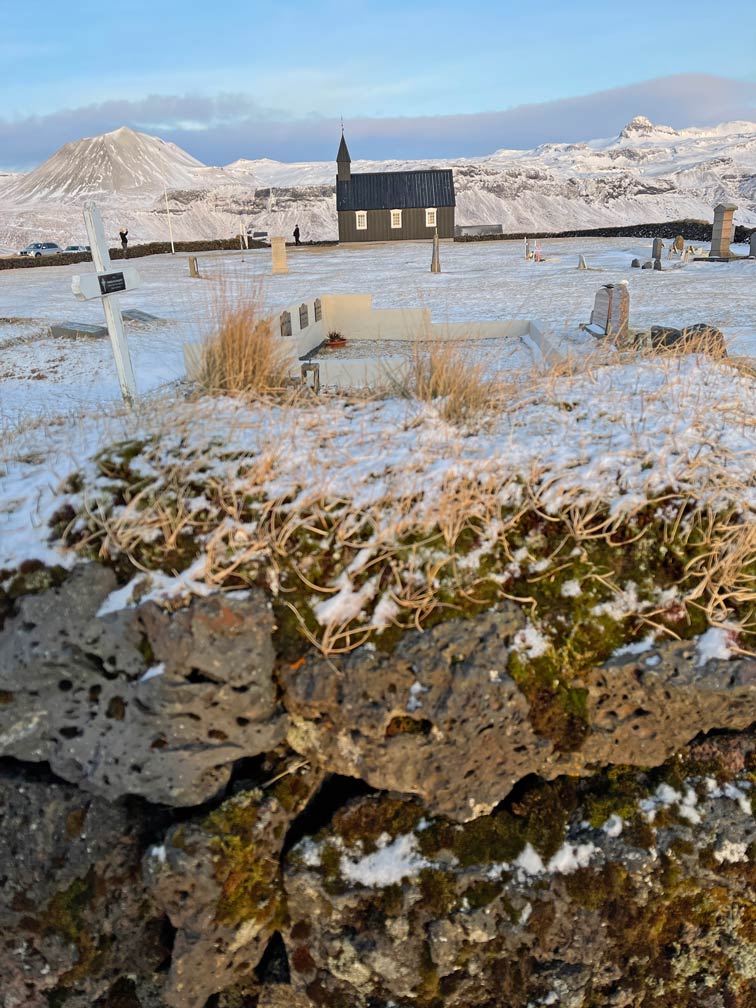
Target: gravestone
(135, 315)
(285, 322)
(436, 258)
(529, 253)
(657, 264)
(635, 264)
(657, 248)
(77, 330)
(721, 231)
(752, 247)
(611, 312)
(193, 271)
(648, 265)
(304, 316)
(701, 338)
(582, 264)
(278, 249)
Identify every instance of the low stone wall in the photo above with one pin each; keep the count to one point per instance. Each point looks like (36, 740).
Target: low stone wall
(135, 252)
(691, 230)
(186, 814)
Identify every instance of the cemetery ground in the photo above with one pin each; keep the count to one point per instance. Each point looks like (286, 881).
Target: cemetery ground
(40, 375)
(611, 496)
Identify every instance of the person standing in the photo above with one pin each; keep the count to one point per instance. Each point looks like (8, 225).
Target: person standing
(296, 235)
(124, 235)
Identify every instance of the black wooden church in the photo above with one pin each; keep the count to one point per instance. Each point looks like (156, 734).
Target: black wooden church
(393, 206)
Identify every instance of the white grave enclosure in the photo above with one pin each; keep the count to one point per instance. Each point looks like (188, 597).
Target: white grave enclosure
(302, 327)
(105, 284)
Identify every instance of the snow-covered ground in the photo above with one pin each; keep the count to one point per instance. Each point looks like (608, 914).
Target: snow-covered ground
(487, 280)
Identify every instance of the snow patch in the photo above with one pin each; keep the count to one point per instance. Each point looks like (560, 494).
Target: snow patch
(393, 861)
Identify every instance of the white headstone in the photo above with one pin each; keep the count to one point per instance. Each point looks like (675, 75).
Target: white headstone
(105, 285)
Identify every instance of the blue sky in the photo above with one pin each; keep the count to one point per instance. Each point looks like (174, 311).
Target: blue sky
(263, 78)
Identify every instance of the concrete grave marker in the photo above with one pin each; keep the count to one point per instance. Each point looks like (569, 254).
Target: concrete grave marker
(657, 248)
(77, 330)
(582, 264)
(193, 270)
(136, 315)
(752, 247)
(278, 249)
(721, 231)
(106, 284)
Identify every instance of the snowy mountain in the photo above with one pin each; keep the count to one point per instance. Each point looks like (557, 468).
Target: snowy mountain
(121, 161)
(647, 173)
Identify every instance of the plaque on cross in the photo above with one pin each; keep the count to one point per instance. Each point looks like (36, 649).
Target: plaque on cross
(105, 284)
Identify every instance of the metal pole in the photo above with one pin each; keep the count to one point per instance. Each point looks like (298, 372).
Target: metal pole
(170, 227)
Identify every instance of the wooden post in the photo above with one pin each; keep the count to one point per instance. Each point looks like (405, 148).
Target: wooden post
(170, 226)
(193, 271)
(110, 302)
(436, 260)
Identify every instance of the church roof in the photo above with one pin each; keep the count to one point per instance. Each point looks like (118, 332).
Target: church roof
(396, 190)
(343, 154)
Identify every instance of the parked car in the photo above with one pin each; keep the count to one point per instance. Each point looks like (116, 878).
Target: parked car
(41, 248)
(77, 248)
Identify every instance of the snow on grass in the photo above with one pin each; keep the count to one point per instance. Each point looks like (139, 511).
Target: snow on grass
(346, 604)
(616, 435)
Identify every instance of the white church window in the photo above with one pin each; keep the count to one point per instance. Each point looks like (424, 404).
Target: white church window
(361, 216)
(396, 218)
(430, 217)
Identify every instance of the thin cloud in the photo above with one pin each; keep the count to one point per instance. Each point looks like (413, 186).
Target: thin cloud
(225, 127)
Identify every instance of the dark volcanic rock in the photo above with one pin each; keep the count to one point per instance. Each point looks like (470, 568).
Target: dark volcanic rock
(139, 701)
(440, 717)
(219, 881)
(74, 913)
(554, 902)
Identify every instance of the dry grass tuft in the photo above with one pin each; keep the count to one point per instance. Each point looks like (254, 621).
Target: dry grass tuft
(242, 356)
(446, 372)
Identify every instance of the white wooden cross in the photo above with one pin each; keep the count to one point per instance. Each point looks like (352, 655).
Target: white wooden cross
(105, 284)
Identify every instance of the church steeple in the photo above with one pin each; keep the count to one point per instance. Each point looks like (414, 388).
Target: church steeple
(343, 161)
